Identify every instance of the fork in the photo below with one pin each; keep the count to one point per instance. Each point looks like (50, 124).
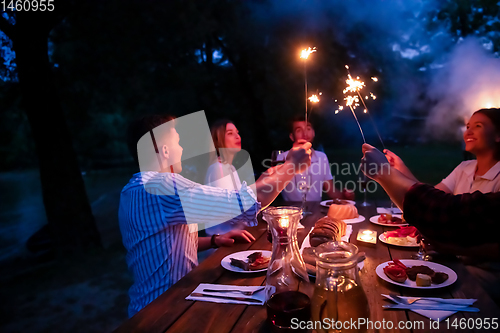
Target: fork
(411, 300)
(244, 292)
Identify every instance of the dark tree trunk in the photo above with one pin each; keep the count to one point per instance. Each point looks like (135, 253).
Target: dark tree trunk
(69, 214)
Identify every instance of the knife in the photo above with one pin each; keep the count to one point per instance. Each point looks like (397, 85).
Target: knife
(241, 299)
(431, 307)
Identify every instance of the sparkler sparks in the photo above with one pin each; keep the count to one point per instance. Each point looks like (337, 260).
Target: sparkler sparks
(304, 54)
(314, 99)
(354, 87)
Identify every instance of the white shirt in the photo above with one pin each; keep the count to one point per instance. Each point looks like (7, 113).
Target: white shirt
(219, 175)
(462, 180)
(161, 247)
(319, 172)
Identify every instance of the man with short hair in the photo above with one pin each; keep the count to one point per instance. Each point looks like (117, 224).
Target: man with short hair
(161, 245)
(321, 178)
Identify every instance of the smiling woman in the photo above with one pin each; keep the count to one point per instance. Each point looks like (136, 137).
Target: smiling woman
(482, 138)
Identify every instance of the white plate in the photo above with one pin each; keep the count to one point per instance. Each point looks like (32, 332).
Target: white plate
(226, 262)
(327, 203)
(358, 219)
(382, 238)
(452, 276)
(374, 219)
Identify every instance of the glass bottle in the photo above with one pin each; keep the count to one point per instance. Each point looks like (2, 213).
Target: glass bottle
(286, 273)
(338, 293)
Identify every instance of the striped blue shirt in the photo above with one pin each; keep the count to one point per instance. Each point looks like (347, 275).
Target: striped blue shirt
(161, 246)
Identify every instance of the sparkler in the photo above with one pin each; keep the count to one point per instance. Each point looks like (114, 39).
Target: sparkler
(350, 100)
(354, 86)
(304, 54)
(314, 99)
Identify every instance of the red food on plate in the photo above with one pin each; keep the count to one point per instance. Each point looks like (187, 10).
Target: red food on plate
(389, 219)
(396, 271)
(260, 263)
(408, 231)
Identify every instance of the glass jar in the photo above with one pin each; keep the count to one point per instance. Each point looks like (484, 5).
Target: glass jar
(338, 293)
(287, 268)
(286, 273)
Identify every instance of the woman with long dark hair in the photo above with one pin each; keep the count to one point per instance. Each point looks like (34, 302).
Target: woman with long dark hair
(482, 138)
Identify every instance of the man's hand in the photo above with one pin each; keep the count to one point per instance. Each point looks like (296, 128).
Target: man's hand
(229, 238)
(300, 156)
(374, 164)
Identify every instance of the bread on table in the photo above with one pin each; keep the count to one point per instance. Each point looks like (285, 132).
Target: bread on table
(327, 229)
(343, 211)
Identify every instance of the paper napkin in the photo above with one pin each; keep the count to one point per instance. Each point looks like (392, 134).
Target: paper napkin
(389, 210)
(260, 295)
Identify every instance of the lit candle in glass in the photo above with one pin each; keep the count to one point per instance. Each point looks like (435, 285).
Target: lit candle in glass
(284, 222)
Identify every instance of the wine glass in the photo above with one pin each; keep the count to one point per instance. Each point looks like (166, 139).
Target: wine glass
(303, 185)
(276, 158)
(421, 254)
(363, 180)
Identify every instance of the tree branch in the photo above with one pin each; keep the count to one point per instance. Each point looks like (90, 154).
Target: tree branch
(7, 28)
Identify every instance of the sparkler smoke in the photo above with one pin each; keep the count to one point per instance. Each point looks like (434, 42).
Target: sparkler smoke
(470, 81)
(408, 44)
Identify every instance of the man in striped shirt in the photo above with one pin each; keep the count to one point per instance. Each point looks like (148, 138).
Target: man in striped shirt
(161, 245)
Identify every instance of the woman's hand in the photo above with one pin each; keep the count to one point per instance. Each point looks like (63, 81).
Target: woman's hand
(229, 238)
(398, 164)
(374, 162)
(394, 159)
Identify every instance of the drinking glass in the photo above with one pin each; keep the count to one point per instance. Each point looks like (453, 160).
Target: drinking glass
(363, 180)
(421, 254)
(303, 185)
(276, 158)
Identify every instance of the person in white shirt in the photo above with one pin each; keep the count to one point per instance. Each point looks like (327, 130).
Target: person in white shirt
(320, 175)
(482, 138)
(222, 173)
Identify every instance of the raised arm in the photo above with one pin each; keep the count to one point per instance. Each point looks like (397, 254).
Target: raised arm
(275, 179)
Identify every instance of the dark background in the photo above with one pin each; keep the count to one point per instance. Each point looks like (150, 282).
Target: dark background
(71, 80)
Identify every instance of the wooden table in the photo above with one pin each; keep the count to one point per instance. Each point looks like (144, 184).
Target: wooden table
(172, 313)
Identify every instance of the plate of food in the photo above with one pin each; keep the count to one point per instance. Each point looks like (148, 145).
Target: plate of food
(388, 220)
(343, 210)
(358, 219)
(404, 236)
(327, 203)
(247, 261)
(416, 274)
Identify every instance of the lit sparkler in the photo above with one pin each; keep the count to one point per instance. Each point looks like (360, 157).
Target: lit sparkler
(354, 86)
(304, 54)
(313, 99)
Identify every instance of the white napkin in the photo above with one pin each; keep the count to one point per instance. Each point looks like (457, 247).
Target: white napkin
(438, 315)
(388, 210)
(261, 295)
(300, 226)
